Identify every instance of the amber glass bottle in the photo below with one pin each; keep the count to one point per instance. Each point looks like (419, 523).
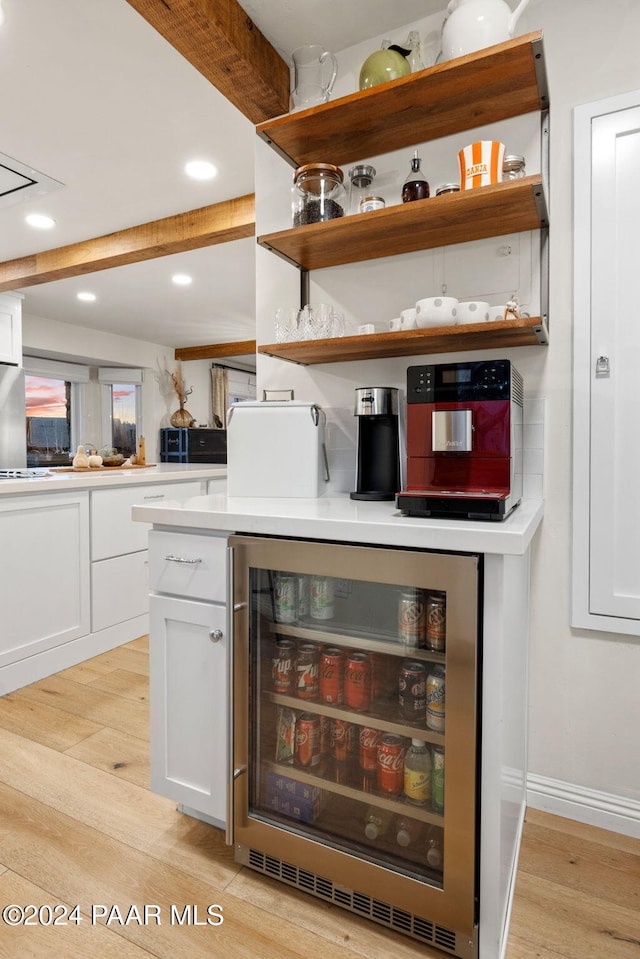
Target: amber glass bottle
(415, 186)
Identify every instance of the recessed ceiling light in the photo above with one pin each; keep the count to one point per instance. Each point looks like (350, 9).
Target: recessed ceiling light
(200, 170)
(181, 279)
(40, 221)
(86, 297)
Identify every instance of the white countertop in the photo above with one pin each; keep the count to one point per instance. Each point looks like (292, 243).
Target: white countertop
(343, 519)
(101, 479)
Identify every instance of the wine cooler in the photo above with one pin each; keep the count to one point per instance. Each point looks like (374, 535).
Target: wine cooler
(354, 741)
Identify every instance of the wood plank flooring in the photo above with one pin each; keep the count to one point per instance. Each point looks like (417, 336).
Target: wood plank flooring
(79, 826)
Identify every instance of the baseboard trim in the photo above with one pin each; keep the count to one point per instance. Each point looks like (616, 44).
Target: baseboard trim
(590, 806)
(34, 668)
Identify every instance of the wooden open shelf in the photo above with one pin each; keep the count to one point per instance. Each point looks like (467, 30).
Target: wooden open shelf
(498, 210)
(529, 331)
(493, 84)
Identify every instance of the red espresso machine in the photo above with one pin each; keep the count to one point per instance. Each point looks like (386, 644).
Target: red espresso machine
(464, 440)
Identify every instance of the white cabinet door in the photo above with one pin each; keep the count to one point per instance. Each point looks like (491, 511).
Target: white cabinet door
(607, 378)
(44, 586)
(11, 329)
(188, 695)
(119, 589)
(113, 532)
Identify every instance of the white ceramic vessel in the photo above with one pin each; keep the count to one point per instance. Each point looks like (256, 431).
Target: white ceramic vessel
(436, 311)
(474, 24)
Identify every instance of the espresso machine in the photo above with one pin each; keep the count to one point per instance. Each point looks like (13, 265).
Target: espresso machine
(464, 440)
(378, 448)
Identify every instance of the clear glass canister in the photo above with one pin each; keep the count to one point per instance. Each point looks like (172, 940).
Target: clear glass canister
(318, 193)
(513, 167)
(361, 179)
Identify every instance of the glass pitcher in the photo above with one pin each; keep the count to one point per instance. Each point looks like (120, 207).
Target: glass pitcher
(309, 81)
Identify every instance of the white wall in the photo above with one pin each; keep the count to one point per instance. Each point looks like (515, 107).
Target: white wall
(584, 713)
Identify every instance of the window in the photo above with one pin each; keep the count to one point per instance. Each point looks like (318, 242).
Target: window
(48, 409)
(53, 410)
(123, 417)
(121, 408)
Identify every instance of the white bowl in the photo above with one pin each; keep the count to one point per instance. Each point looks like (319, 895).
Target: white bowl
(496, 313)
(408, 319)
(436, 311)
(473, 311)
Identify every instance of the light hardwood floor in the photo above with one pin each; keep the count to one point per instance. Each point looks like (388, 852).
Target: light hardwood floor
(79, 826)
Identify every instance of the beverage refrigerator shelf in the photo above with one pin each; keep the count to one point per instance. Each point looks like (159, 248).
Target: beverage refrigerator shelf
(501, 334)
(383, 643)
(398, 806)
(500, 209)
(496, 83)
(380, 722)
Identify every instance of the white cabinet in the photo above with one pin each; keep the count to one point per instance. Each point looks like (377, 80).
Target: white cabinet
(113, 532)
(119, 571)
(44, 587)
(188, 672)
(11, 328)
(606, 521)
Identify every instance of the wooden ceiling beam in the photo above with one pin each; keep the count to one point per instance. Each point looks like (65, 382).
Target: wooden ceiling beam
(215, 351)
(224, 45)
(206, 226)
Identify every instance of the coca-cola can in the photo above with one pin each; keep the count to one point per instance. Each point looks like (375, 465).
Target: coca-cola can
(437, 621)
(284, 593)
(341, 739)
(390, 765)
(307, 748)
(357, 681)
(282, 667)
(331, 676)
(307, 671)
(369, 741)
(412, 691)
(411, 618)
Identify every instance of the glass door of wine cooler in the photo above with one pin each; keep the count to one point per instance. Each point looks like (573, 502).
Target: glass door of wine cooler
(355, 738)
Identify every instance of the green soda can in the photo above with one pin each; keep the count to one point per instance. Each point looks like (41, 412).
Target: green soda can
(437, 778)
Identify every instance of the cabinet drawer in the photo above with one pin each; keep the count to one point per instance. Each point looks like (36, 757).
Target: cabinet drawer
(119, 589)
(113, 532)
(188, 564)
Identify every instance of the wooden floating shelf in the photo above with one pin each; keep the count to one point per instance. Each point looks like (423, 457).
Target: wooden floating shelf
(498, 210)
(529, 331)
(496, 83)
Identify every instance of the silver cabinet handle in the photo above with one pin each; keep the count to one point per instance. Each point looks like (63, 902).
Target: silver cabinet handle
(156, 496)
(182, 559)
(238, 771)
(215, 635)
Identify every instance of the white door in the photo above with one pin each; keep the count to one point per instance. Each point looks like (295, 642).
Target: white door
(609, 407)
(188, 697)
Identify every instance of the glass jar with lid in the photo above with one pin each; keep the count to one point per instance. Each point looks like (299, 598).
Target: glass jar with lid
(513, 167)
(318, 193)
(361, 179)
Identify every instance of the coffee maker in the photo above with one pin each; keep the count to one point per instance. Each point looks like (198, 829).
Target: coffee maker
(378, 448)
(464, 440)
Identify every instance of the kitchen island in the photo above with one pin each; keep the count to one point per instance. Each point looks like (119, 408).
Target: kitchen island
(198, 629)
(74, 565)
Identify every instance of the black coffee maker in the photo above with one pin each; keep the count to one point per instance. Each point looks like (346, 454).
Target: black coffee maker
(378, 462)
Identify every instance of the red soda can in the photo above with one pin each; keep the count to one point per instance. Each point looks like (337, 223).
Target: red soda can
(390, 765)
(331, 676)
(307, 748)
(282, 667)
(307, 671)
(368, 748)
(341, 737)
(357, 681)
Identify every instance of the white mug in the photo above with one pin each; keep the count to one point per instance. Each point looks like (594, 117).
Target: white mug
(497, 312)
(473, 311)
(408, 319)
(395, 324)
(436, 311)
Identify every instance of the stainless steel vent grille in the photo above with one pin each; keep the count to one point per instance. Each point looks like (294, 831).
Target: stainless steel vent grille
(517, 387)
(380, 912)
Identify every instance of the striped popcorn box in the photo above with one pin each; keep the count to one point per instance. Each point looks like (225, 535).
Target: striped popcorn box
(481, 164)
